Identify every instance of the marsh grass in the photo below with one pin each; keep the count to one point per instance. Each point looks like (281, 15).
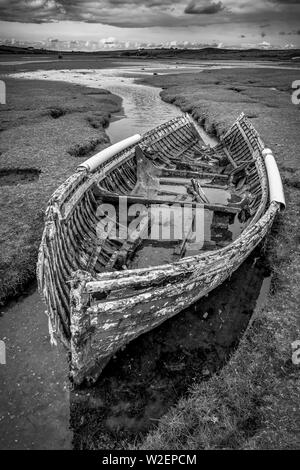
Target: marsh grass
(45, 126)
(253, 403)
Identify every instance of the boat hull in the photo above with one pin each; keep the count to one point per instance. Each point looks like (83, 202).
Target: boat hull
(99, 331)
(96, 314)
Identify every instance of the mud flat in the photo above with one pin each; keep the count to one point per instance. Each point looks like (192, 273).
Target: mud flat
(253, 402)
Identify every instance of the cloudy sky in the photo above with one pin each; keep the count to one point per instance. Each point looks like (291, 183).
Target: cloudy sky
(102, 24)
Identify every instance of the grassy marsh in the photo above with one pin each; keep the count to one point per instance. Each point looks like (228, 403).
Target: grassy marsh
(46, 130)
(253, 403)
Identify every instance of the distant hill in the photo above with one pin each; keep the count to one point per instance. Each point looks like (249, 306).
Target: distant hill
(209, 53)
(23, 50)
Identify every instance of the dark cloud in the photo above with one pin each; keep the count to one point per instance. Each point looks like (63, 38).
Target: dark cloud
(150, 13)
(263, 34)
(38, 11)
(114, 12)
(203, 7)
(289, 33)
(121, 13)
(287, 2)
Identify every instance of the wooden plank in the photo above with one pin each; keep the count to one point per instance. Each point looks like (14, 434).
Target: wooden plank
(109, 197)
(134, 239)
(193, 165)
(182, 151)
(180, 250)
(199, 191)
(192, 174)
(166, 134)
(187, 181)
(233, 163)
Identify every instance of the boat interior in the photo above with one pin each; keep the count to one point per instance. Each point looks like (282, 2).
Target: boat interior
(173, 197)
(166, 198)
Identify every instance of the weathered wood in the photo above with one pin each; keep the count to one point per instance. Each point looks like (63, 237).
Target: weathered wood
(192, 174)
(195, 166)
(107, 197)
(135, 238)
(180, 249)
(94, 311)
(182, 151)
(233, 163)
(186, 181)
(199, 190)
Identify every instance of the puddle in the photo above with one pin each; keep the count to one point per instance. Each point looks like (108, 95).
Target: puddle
(13, 176)
(34, 388)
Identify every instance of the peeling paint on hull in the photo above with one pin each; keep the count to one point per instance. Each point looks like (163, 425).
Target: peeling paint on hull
(97, 313)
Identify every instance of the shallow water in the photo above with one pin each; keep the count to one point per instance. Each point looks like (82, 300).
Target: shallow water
(163, 66)
(150, 374)
(34, 388)
(143, 110)
(23, 62)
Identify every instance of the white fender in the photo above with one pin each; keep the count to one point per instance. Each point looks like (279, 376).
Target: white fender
(276, 192)
(92, 163)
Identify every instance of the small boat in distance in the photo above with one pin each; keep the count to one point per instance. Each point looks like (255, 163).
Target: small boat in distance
(147, 227)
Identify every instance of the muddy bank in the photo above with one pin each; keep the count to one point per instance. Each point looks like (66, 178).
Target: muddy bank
(253, 403)
(46, 130)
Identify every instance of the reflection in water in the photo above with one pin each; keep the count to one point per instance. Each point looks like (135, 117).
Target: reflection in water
(149, 376)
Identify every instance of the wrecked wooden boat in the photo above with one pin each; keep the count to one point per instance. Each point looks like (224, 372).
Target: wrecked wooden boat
(147, 227)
